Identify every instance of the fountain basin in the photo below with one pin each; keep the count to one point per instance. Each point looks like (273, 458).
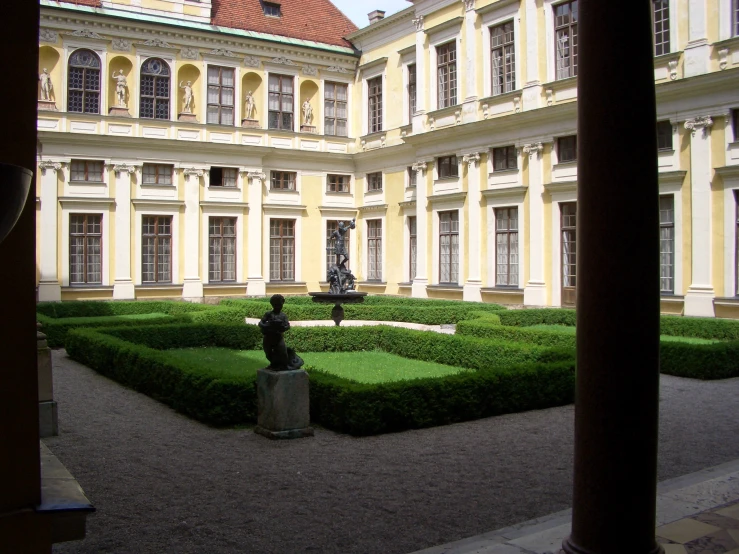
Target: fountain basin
(337, 313)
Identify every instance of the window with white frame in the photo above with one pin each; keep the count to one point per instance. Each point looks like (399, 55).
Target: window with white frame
(503, 58)
(374, 105)
(504, 158)
(412, 246)
(337, 183)
(446, 67)
(506, 247)
(221, 249)
(223, 176)
(220, 95)
(282, 250)
(156, 249)
(374, 250)
(86, 170)
(735, 121)
(282, 180)
(412, 177)
(374, 181)
(281, 100)
(449, 247)
(83, 85)
(85, 249)
(667, 244)
(661, 17)
(411, 90)
(565, 39)
(155, 89)
(664, 135)
(335, 109)
(157, 174)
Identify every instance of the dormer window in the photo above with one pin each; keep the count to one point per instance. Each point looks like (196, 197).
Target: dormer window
(271, 9)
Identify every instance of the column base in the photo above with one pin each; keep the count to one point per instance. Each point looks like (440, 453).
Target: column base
(49, 291)
(697, 55)
(471, 291)
(48, 419)
(192, 290)
(124, 290)
(256, 287)
(535, 294)
(699, 302)
(418, 288)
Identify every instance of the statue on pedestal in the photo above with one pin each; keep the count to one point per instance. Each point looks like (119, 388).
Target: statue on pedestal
(46, 85)
(249, 106)
(307, 113)
(273, 325)
(120, 88)
(340, 278)
(187, 99)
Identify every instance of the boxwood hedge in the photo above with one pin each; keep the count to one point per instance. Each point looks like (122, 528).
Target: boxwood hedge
(509, 377)
(97, 308)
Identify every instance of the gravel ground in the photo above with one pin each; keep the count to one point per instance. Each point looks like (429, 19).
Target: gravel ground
(165, 484)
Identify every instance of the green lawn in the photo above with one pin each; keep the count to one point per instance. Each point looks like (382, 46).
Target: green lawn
(571, 331)
(363, 367)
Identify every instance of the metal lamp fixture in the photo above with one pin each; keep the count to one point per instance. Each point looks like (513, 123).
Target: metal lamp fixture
(15, 182)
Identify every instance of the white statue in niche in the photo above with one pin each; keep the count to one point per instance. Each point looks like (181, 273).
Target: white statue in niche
(187, 99)
(307, 113)
(46, 86)
(120, 88)
(249, 106)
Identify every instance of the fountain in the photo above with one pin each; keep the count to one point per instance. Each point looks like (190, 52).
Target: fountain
(340, 279)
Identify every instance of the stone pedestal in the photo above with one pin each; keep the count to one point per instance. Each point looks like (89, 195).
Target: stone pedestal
(308, 129)
(47, 408)
(47, 105)
(250, 123)
(187, 117)
(283, 409)
(117, 111)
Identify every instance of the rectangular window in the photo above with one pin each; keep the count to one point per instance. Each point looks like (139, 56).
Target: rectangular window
(736, 18)
(374, 250)
(281, 102)
(270, 9)
(664, 135)
(568, 224)
(506, 247)
(374, 181)
(331, 258)
(447, 167)
(157, 174)
(156, 249)
(735, 120)
(565, 40)
(223, 176)
(335, 109)
(412, 246)
(505, 158)
(446, 65)
(282, 180)
(87, 170)
(374, 92)
(503, 58)
(85, 249)
(221, 249)
(411, 91)
(282, 250)
(412, 177)
(661, 27)
(337, 183)
(220, 95)
(667, 244)
(567, 149)
(449, 247)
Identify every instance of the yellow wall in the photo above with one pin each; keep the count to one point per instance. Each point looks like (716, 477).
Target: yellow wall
(718, 158)
(684, 141)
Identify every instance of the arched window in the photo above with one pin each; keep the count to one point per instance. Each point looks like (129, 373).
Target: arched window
(84, 82)
(155, 89)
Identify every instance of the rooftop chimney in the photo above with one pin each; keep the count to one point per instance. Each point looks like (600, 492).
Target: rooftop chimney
(375, 16)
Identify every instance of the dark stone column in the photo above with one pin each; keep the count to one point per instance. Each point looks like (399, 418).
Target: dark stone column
(618, 283)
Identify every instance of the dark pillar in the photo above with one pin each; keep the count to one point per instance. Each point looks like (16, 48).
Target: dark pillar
(20, 530)
(618, 283)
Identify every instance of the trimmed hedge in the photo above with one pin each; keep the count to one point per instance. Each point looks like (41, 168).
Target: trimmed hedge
(699, 327)
(96, 308)
(542, 337)
(538, 316)
(509, 377)
(372, 300)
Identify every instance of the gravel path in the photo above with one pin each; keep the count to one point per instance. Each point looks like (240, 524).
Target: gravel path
(165, 484)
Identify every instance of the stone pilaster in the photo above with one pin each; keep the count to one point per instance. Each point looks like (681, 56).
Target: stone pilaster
(535, 292)
(472, 287)
(697, 51)
(49, 288)
(123, 288)
(469, 107)
(421, 281)
(419, 116)
(255, 275)
(193, 285)
(532, 84)
(700, 294)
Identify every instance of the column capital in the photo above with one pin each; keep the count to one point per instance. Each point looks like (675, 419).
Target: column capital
(256, 175)
(188, 171)
(471, 159)
(533, 149)
(469, 5)
(47, 164)
(419, 166)
(703, 123)
(418, 22)
(124, 168)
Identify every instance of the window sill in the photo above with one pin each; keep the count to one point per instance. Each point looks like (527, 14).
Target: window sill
(157, 286)
(223, 284)
(372, 283)
(559, 84)
(503, 289)
(502, 97)
(158, 185)
(84, 286)
(666, 151)
(373, 191)
(445, 286)
(221, 187)
(566, 165)
(287, 283)
(88, 183)
(513, 171)
(451, 179)
(286, 191)
(339, 193)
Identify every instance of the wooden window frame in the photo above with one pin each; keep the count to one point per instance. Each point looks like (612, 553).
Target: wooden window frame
(374, 181)
(374, 104)
(280, 94)
(156, 100)
(664, 135)
(562, 147)
(218, 177)
(90, 94)
(220, 235)
(328, 100)
(412, 177)
(412, 247)
(412, 91)
(283, 240)
(283, 180)
(271, 9)
(338, 183)
(505, 158)
(221, 87)
(374, 242)
(446, 72)
(85, 249)
(667, 225)
(661, 26)
(450, 266)
(161, 171)
(447, 167)
(508, 232)
(571, 30)
(506, 74)
(562, 230)
(99, 176)
(157, 236)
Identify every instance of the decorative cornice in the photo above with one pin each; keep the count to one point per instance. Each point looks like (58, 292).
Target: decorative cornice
(121, 44)
(46, 164)
(157, 42)
(282, 60)
(372, 208)
(47, 35)
(188, 171)
(418, 22)
(310, 70)
(448, 197)
(124, 168)
(419, 166)
(256, 175)
(223, 52)
(471, 159)
(336, 69)
(504, 191)
(704, 123)
(86, 33)
(189, 53)
(251, 61)
(407, 204)
(532, 149)
(723, 58)
(672, 64)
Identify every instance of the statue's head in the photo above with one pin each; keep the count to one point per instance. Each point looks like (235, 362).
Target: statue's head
(277, 301)
(341, 224)
(248, 93)
(46, 70)
(189, 83)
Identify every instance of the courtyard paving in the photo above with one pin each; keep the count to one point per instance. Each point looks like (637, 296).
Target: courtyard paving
(163, 483)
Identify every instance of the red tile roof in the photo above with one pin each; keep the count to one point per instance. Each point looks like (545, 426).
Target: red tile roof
(316, 20)
(93, 3)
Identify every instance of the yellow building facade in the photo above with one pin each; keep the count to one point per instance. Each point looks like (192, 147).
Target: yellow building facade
(179, 158)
